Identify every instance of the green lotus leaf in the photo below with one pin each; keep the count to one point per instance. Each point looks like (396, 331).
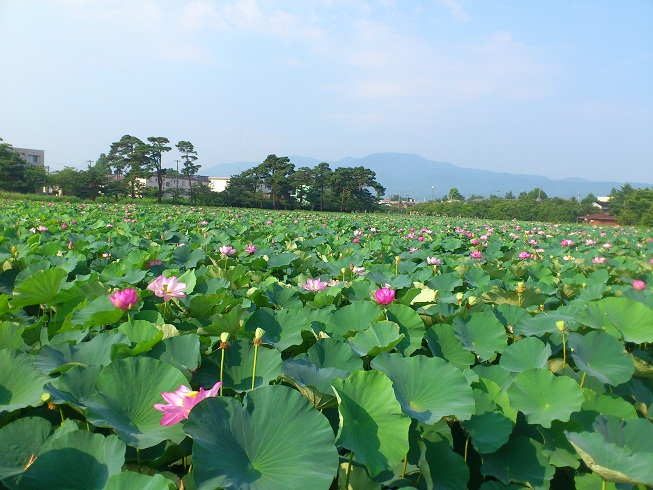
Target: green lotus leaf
(442, 468)
(11, 334)
(97, 351)
(73, 385)
(527, 353)
(353, 318)
(494, 373)
(488, 431)
(262, 444)
(127, 390)
(372, 424)
(358, 477)
(332, 353)
(592, 481)
(483, 334)
(411, 326)
(446, 283)
(619, 451)
(520, 460)
(443, 343)
(596, 404)
(21, 384)
(282, 297)
(283, 328)
(543, 397)
(281, 260)
(97, 312)
(428, 388)
(601, 355)
(182, 352)
(498, 396)
(40, 288)
(379, 337)
(77, 460)
(187, 258)
(20, 440)
(238, 365)
(313, 382)
(621, 317)
(129, 480)
(556, 446)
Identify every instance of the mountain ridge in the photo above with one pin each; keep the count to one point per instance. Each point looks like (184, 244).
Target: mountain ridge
(423, 179)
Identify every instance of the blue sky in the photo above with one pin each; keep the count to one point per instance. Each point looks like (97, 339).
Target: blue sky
(560, 88)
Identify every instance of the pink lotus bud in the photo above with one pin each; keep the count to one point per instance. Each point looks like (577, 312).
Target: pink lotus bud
(639, 285)
(385, 295)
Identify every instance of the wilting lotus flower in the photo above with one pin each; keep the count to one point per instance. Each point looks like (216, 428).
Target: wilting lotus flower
(359, 271)
(639, 285)
(181, 402)
(227, 250)
(385, 295)
(167, 287)
(124, 299)
(314, 285)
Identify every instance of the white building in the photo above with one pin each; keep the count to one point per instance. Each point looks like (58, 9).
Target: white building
(33, 157)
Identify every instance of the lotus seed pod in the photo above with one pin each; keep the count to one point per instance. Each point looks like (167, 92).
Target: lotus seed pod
(224, 336)
(258, 334)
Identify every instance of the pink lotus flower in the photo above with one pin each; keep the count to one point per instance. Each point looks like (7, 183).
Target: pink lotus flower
(566, 243)
(250, 249)
(598, 260)
(385, 295)
(152, 263)
(476, 255)
(181, 402)
(124, 299)
(359, 271)
(639, 285)
(167, 287)
(227, 250)
(433, 261)
(524, 255)
(314, 285)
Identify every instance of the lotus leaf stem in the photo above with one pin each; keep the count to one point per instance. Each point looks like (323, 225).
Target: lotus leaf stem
(221, 365)
(582, 381)
(403, 471)
(466, 446)
(351, 457)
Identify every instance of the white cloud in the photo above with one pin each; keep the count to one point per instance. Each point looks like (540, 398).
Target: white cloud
(456, 10)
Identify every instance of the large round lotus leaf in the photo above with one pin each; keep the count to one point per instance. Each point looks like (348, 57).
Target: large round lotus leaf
(127, 390)
(488, 431)
(596, 404)
(620, 451)
(77, 460)
(428, 388)
(332, 353)
(353, 318)
(379, 337)
(313, 382)
(621, 317)
(20, 440)
(276, 440)
(39, 288)
(182, 351)
(410, 324)
(498, 396)
(443, 343)
(372, 424)
(601, 355)
(520, 460)
(482, 334)
(129, 480)
(557, 447)
(21, 384)
(73, 385)
(238, 365)
(442, 468)
(527, 353)
(282, 328)
(97, 351)
(543, 397)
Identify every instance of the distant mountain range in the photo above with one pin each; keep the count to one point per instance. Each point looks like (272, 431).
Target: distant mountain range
(413, 176)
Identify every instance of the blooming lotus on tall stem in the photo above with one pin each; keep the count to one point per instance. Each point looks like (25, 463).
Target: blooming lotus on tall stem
(166, 288)
(226, 251)
(224, 344)
(181, 402)
(314, 285)
(384, 296)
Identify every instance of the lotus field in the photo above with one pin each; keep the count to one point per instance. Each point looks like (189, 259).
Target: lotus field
(159, 347)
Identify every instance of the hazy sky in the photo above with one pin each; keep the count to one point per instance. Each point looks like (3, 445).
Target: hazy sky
(560, 88)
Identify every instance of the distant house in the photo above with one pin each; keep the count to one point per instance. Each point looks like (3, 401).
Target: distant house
(218, 184)
(598, 219)
(31, 156)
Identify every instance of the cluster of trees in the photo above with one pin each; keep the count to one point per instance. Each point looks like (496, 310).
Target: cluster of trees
(528, 206)
(276, 183)
(118, 173)
(632, 206)
(16, 175)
